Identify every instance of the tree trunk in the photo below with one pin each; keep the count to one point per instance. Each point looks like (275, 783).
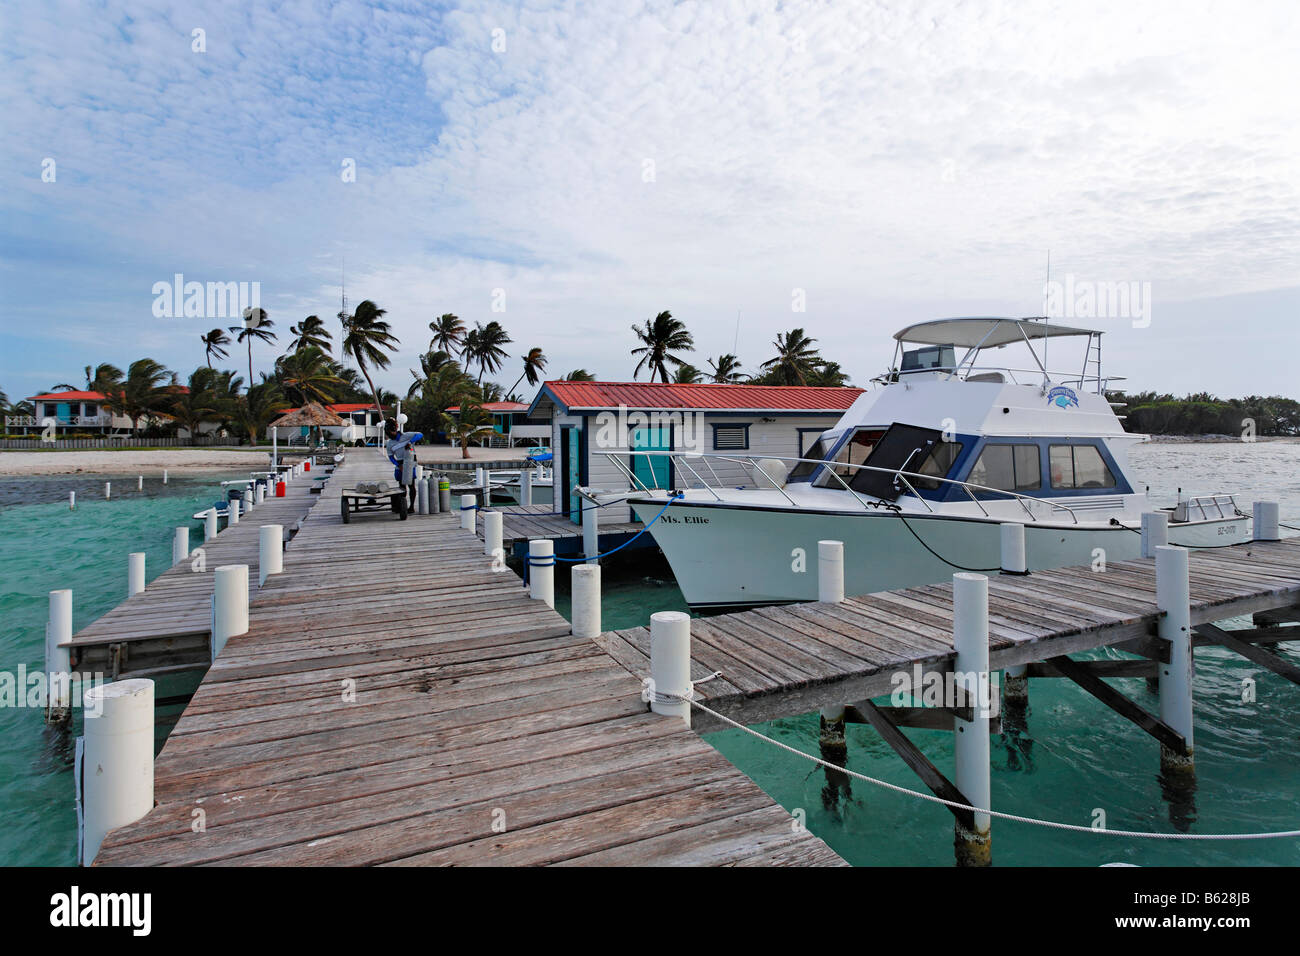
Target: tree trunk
(464, 446)
(250, 363)
(375, 395)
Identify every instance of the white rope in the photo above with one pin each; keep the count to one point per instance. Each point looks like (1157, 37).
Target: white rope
(1281, 834)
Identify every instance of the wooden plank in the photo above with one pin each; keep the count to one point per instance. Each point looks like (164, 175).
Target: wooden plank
(1251, 652)
(1119, 703)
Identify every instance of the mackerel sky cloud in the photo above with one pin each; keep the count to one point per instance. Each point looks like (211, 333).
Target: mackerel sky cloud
(602, 162)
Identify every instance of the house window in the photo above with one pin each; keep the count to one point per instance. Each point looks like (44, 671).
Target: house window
(90, 411)
(51, 410)
(730, 437)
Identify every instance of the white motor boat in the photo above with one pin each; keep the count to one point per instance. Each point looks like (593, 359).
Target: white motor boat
(918, 475)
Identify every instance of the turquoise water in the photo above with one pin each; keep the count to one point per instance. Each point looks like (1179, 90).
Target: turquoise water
(44, 546)
(1074, 756)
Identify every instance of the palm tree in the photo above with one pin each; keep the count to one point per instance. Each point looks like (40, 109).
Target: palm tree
(260, 406)
(213, 344)
(310, 331)
(468, 422)
(491, 392)
(661, 336)
(687, 374)
(726, 368)
(484, 345)
(257, 325)
(307, 375)
(579, 375)
(795, 359)
(192, 408)
(448, 333)
(144, 392)
(366, 336)
(534, 366)
(431, 363)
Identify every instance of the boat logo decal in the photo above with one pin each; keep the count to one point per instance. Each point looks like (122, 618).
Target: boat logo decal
(1063, 397)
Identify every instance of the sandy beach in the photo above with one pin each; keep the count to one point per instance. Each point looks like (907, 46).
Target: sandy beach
(130, 461)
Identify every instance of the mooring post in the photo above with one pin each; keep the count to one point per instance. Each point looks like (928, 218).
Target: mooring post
(118, 759)
(210, 524)
(541, 570)
(270, 551)
(139, 483)
(232, 511)
(72, 501)
(444, 494)
(180, 545)
(492, 525)
(467, 512)
(229, 605)
(164, 476)
(108, 490)
(830, 573)
(1155, 532)
(525, 487)
(591, 532)
(1014, 560)
(831, 739)
(479, 480)
(134, 573)
(670, 663)
(585, 580)
(261, 492)
(1173, 597)
(970, 598)
(58, 658)
(1264, 526)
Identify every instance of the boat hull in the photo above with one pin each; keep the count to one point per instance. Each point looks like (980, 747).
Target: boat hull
(728, 556)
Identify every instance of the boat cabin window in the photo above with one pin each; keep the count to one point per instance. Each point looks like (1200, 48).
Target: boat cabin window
(817, 453)
(1078, 466)
(1008, 468)
(855, 451)
(908, 448)
(936, 356)
(937, 462)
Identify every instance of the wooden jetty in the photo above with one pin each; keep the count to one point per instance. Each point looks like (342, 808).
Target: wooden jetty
(523, 523)
(780, 661)
(395, 701)
(167, 627)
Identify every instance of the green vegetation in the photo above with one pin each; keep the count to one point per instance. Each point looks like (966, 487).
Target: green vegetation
(1204, 414)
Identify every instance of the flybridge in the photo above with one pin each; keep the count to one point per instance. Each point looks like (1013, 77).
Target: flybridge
(936, 360)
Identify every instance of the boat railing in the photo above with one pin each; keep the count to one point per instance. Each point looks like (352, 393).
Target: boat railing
(684, 458)
(1033, 376)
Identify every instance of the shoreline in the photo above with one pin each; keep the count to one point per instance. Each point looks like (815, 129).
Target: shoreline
(19, 464)
(1220, 440)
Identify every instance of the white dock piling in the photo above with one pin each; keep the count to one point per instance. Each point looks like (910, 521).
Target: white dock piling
(134, 573)
(480, 480)
(492, 532)
(467, 512)
(180, 545)
(108, 490)
(1013, 549)
(118, 759)
(164, 476)
(590, 531)
(1173, 597)
(526, 487)
(270, 551)
(830, 572)
(1265, 524)
(72, 501)
(139, 483)
(670, 663)
(261, 492)
(831, 739)
(585, 581)
(970, 598)
(1155, 532)
(210, 524)
(229, 604)
(232, 511)
(541, 570)
(58, 662)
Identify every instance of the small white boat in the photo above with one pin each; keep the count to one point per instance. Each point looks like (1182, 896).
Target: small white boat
(917, 477)
(509, 486)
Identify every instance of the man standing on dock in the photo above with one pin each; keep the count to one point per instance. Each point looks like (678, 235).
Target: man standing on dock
(402, 455)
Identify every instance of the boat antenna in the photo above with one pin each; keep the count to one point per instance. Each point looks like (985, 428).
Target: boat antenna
(1047, 284)
(735, 343)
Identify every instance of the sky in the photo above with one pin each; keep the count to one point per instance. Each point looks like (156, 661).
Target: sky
(569, 169)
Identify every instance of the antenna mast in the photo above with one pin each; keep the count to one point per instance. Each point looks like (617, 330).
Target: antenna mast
(1047, 284)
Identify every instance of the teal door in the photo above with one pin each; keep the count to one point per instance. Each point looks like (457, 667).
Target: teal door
(573, 472)
(653, 471)
(64, 412)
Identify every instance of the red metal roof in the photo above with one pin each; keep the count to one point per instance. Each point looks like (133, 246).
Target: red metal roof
(501, 407)
(704, 396)
(71, 396)
(343, 408)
